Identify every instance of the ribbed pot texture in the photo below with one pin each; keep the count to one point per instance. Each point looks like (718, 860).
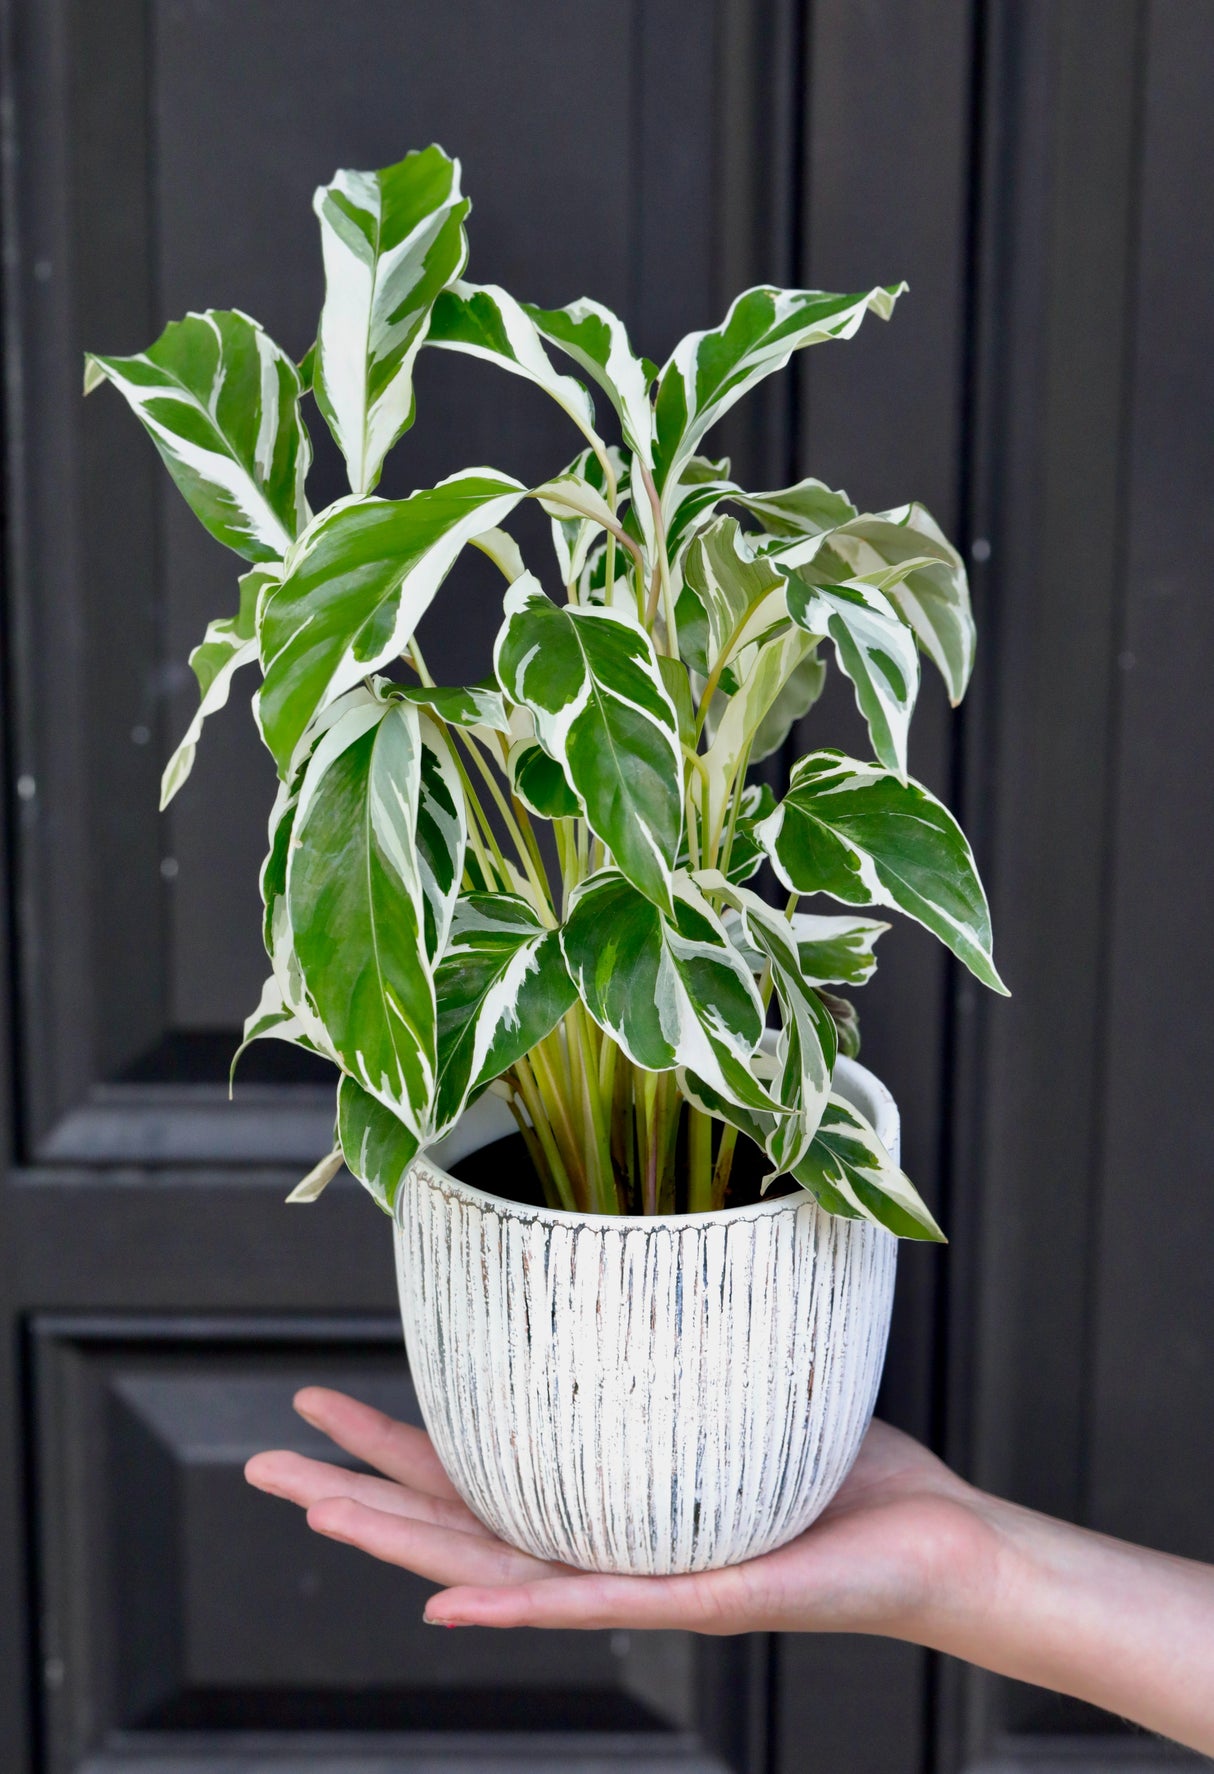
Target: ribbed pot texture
(643, 1395)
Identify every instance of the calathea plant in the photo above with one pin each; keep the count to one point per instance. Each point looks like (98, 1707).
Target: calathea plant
(537, 883)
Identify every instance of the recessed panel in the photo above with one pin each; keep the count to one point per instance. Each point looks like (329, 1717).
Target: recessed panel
(179, 1600)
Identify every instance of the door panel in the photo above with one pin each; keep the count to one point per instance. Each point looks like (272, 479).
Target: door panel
(1029, 167)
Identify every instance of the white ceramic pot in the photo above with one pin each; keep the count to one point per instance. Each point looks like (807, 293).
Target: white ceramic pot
(643, 1395)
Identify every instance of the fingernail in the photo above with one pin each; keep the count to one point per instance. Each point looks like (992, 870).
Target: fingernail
(426, 1621)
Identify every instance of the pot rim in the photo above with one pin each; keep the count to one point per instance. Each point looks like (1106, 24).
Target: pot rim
(853, 1081)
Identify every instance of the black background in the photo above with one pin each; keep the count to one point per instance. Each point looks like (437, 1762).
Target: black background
(1039, 171)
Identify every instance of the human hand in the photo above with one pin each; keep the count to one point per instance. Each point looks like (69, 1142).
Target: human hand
(901, 1528)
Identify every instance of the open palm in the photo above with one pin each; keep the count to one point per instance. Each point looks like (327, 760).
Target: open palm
(901, 1528)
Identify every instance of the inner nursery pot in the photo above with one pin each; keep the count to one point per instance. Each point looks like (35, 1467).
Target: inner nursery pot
(643, 1395)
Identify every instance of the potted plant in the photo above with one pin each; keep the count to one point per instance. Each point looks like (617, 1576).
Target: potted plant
(527, 906)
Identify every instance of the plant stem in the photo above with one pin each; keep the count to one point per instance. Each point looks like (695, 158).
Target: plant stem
(735, 800)
(559, 1176)
(649, 1099)
(724, 1164)
(538, 880)
(699, 1161)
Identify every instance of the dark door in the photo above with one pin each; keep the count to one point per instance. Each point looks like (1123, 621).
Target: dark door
(160, 1304)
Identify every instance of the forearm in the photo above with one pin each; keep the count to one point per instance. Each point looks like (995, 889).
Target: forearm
(1124, 1628)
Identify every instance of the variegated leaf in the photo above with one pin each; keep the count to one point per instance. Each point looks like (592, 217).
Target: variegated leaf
(482, 320)
(502, 985)
(929, 587)
(591, 680)
(540, 782)
(858, 833)
(358, 905)
(376, 1144)
(470, 705)
(708, 372)
(313, 1186)
(441, 834)
(800, 691)
(597, 340)
(576, 502)
(392, 240)
(874, 648)
(806, 1046)
(769, 667)
(361, 578)
(836, 951)
(273, 1019)
(848, 1172)
(746, 854)
(847, 1023)
(221, 403)
(726, 581)
(808, 509)
(672, 991)
(500, 547)
(228, 644)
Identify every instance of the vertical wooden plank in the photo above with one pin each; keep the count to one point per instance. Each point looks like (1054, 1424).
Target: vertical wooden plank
(1056, 228)
(45, 648)
(1152, 1384)
(885, 189)
(123, 706)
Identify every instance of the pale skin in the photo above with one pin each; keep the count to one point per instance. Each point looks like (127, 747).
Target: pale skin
(907, 1550)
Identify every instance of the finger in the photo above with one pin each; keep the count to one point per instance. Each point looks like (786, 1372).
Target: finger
(708, 1602)
(303, 1481)
(400, 1450)
(441, 1554)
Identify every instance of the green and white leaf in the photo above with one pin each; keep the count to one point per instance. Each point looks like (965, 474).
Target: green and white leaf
(723, 576)
(360, 928)
(769, 667)
(801, 690)
(808, 509)
(848, 1172)
(591, 680)
(929, 587)
(500, 547)
(221, 403)
(313, 1186)
(673, 992)
(468, 705)
(858, 833)
(229, 643)
(836, 951)
(502, 985)
(874, 648)
(273, 1019)
(577, 504)
(441, 834)
(540, 782)
(376, 1144)
(847, 1023)
(597, 340)
(483, 320)
(807, 1045)
(392, 241)
(361, 578)
(709, 372)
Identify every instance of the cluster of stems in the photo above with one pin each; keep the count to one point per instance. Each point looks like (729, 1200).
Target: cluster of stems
(604, 1134)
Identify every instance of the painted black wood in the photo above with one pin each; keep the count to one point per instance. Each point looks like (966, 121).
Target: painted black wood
(1034, 169)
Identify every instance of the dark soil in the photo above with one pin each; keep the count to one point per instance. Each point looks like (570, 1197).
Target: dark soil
(504, 1169)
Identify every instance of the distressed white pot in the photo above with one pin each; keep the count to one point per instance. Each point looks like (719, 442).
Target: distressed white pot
(643, 1395)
